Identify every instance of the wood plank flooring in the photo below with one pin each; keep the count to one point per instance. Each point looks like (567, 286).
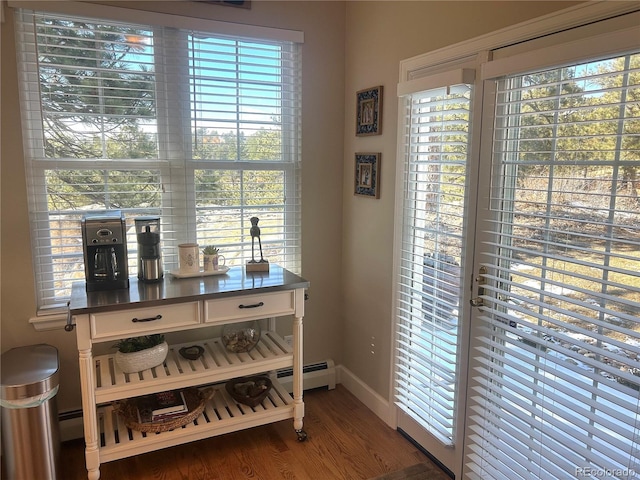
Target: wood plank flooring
(345, 441)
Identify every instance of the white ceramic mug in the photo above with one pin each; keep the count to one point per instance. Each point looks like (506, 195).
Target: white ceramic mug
(189, 257)
(213, 263)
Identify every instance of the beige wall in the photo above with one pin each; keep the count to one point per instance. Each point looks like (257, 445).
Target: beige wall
(379, 35)
(347, 240)
(322, 130)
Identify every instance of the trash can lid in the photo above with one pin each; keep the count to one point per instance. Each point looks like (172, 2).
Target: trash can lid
(28, 371)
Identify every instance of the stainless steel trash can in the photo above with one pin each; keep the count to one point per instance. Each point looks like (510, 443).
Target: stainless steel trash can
(30, 430)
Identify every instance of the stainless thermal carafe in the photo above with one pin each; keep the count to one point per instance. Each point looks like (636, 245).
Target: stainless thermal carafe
(149, 256)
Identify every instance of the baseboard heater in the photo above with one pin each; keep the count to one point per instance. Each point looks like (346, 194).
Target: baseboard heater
(314, 375)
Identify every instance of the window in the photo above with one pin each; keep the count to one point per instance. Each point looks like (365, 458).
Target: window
(537, 271)
(202, 129)
(432, 249)
(556, 387)
(431, 254)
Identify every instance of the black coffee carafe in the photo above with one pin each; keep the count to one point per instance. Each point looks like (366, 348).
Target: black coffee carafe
(105, 264)
(105, 251)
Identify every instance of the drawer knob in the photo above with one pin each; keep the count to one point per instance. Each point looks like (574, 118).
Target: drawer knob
(150, 319)
(255, 305)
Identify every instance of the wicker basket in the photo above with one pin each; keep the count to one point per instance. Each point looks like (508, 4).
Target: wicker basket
(196, 401)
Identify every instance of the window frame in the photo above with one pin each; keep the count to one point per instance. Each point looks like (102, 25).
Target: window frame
(502, 324)
(182, 205)
(420, 68)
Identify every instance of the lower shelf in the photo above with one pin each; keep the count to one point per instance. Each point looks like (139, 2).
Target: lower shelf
(221, 415)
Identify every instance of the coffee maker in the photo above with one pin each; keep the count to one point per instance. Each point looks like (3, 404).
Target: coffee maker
(104, 241)
(149, 255)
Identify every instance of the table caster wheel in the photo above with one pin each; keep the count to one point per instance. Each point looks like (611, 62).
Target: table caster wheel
(302, 435)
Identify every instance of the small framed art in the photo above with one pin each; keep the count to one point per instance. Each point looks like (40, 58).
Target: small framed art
(230, 3)
(367, 175)
(369, 111)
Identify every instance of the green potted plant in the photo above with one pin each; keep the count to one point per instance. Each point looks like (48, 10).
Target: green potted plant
(139, 353)
(212, 258)
(210, 250)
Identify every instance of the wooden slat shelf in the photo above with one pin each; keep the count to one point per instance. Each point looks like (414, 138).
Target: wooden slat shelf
(188, 304)
(215, 365)
(221, 415)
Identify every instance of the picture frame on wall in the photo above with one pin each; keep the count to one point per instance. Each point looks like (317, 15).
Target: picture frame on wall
(369, 111)
(230, 3)
(367, 175)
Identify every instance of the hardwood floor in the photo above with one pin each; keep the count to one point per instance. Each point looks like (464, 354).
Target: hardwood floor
(345, 441)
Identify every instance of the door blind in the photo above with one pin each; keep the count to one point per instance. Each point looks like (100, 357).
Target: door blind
(428, 291)
(556, 387)
(200, 128)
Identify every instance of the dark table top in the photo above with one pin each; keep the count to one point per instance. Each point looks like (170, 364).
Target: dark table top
(175, 290)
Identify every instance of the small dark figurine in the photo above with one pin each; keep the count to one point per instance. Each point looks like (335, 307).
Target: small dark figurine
(255, 233)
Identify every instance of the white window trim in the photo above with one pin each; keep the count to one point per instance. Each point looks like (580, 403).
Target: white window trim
(599, 46)
(432, 82)
(476, 52)
(161, 19)
(44, 323)
(582, 14)
(52, 318)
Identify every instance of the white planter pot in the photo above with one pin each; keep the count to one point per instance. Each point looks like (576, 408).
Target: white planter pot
(138, 361)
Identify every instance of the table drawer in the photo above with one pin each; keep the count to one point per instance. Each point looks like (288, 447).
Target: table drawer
(139, 321)
(249, 307)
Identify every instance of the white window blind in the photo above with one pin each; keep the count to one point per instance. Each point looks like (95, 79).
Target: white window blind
(557, 382)
(428, 290)
(200, 128)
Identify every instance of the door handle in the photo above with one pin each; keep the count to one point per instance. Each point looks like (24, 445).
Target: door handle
(477, 301)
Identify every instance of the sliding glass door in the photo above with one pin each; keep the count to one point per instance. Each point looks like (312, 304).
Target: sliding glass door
(556, 373)
(432, 257)
(518, 288)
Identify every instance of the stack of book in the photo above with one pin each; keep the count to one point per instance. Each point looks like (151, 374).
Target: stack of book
(161, 406)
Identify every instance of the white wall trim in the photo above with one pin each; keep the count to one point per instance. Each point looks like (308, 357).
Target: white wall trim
(372, 400)
(160, 19)
(536, 27)
(600, 46)
(71, 429)
(42, 323)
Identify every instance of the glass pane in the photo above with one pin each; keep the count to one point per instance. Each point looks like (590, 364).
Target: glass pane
(562, 366)
(97, 89)
(429, 290)
(227, 199)
(236, 100)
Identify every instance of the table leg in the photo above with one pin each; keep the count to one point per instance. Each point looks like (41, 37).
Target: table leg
(298, 404)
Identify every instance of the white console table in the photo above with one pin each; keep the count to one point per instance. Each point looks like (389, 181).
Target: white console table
(177, 305)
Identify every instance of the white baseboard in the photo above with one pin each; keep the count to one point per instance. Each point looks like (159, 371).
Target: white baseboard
(71, 429)
(372, 400)
(315, 375)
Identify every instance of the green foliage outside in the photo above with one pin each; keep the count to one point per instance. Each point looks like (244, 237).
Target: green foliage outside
(99, 103)
(569, 141)
(136, 344)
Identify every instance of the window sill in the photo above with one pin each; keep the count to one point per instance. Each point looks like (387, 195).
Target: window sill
(49, 322)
